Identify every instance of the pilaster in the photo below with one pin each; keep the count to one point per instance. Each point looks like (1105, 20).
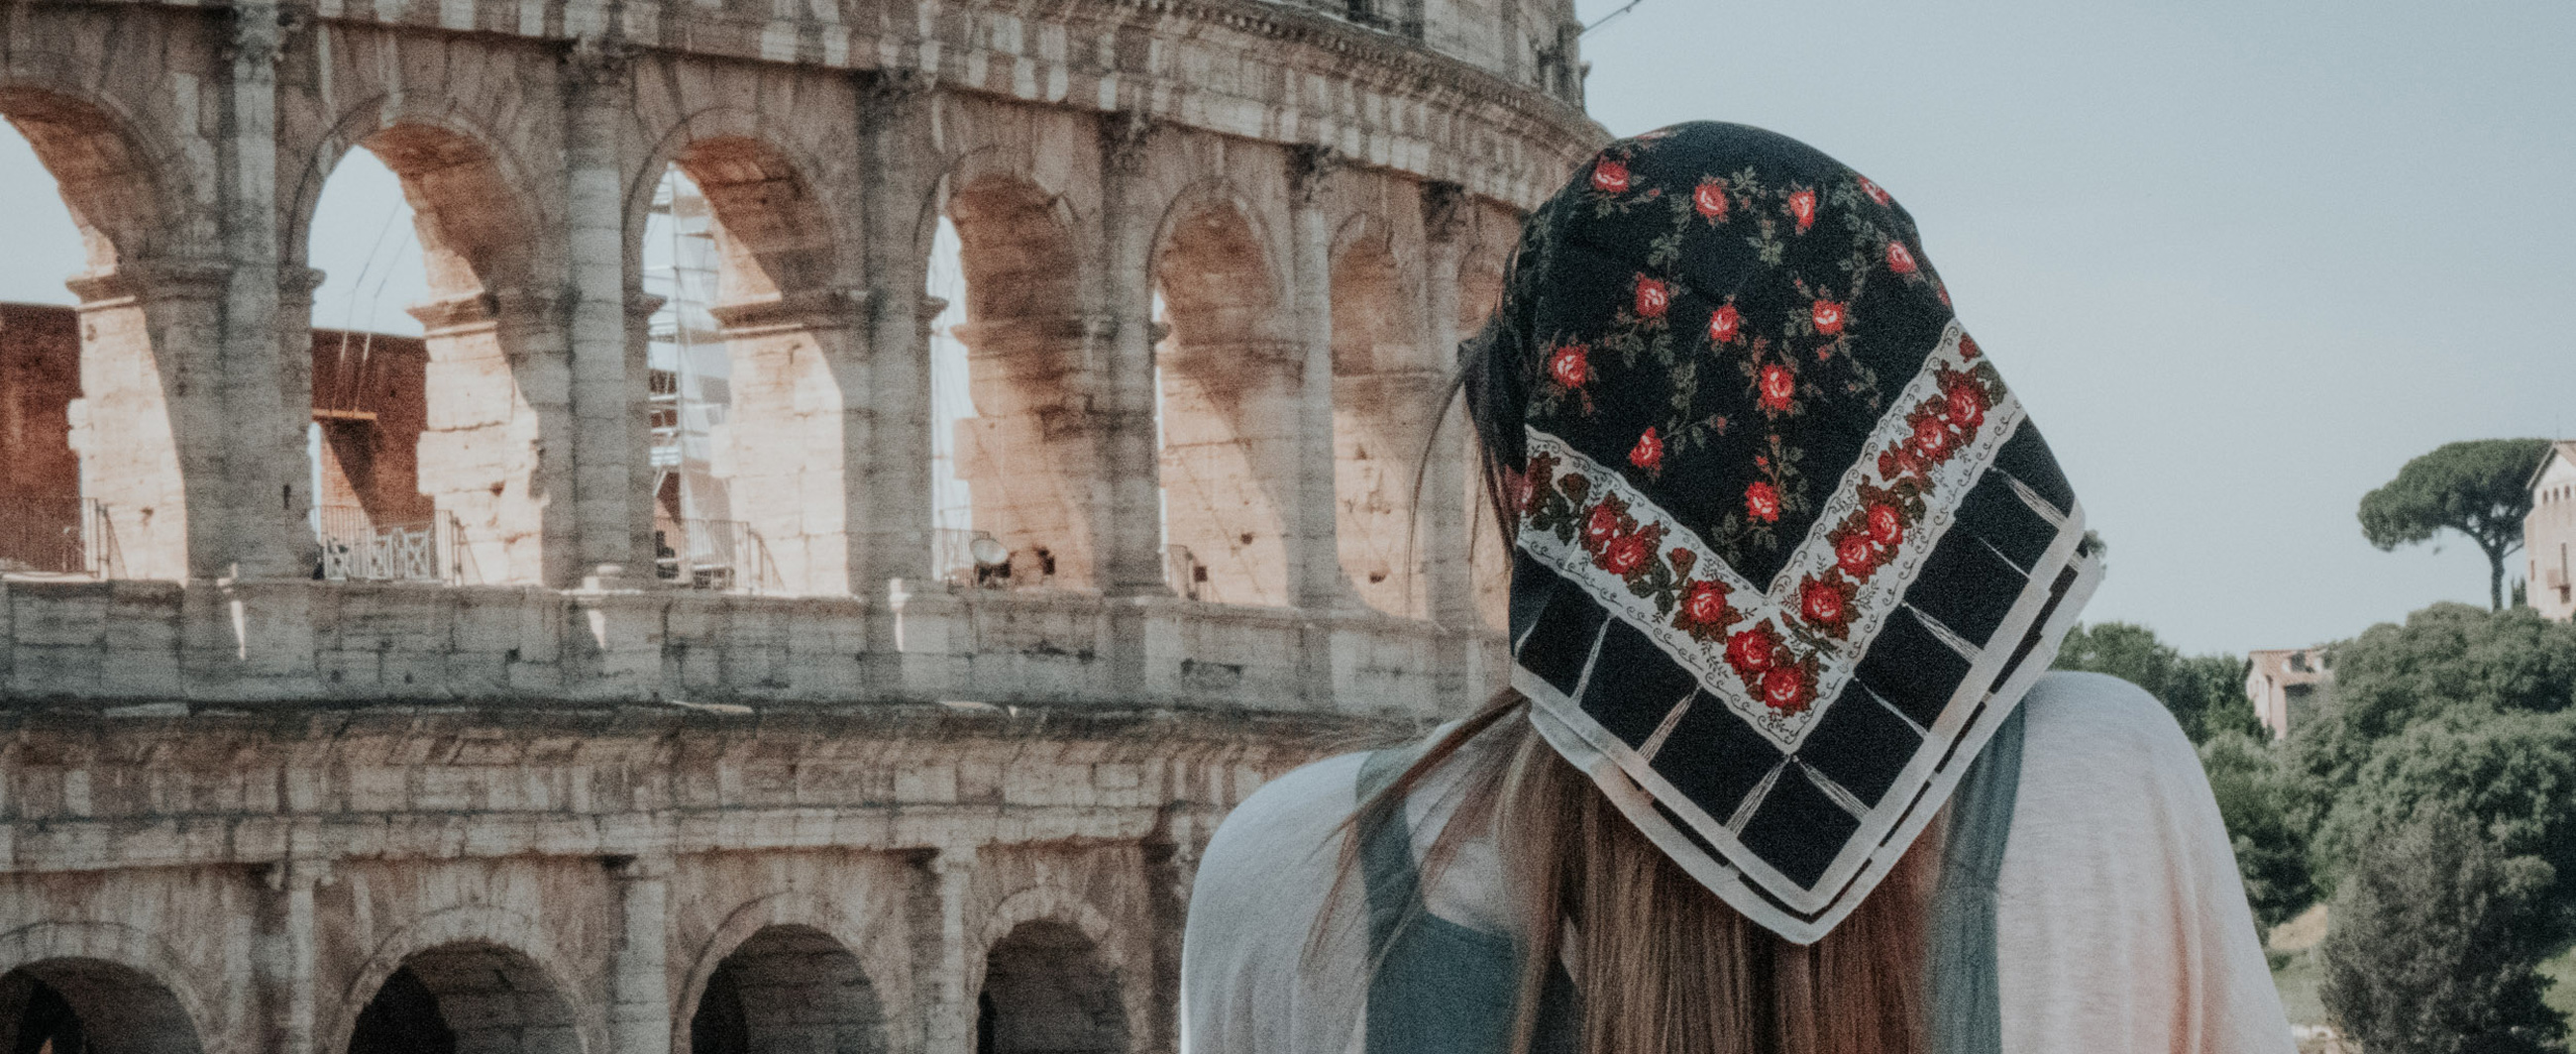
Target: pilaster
(612, 476)
(1131, 542)
(639, 1009)
(889, 419)
(252, 530)
(1445, 539)
(1315, 581)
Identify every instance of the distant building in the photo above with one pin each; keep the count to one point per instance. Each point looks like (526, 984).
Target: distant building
(2549, 533)
(2285, 685)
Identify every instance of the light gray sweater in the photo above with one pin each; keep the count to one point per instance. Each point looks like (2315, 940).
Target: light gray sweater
(2121, 924)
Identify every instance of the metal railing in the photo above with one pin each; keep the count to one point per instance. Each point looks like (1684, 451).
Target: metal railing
(55, 536)
(713, 554)
(355, 548)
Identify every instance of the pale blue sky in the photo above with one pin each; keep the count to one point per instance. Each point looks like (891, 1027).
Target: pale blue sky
(2241, 259)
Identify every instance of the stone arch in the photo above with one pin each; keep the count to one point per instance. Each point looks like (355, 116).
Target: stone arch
(1232, 375)
(876, 952)
(787, 989)
(149, 296)
(1052, 980)
(483, 974)
(478, 459)
(781, 374)
(1386, 386)
(1033, 359)
(119, 990)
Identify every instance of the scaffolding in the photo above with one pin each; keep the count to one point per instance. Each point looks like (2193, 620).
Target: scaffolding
(696, 539)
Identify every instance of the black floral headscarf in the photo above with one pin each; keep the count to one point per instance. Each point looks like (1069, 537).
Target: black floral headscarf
(1787, 549)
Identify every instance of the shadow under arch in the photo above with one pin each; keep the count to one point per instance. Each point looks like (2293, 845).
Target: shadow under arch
(783, 369)
(493, 388)
(467, 997)
(788, 989)
(1047, 991)
(1232, 378)
(149, 295)
(98, 988)
(1030, 455)
(1387, 387)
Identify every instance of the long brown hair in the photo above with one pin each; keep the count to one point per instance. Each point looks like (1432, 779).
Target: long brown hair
(1660, 965)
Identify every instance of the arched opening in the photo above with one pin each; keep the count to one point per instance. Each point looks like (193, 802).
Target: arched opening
(1046, 992)
(1028, 457)
(788, 990)
(466, 998)
(370, 366)
(748, 353)
(428, 439)
(1231, 382)
(1386, 392)
(93, 480)
(90, 1006)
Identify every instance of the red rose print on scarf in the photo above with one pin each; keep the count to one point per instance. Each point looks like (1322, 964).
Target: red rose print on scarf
(1854, 555)
(1710, 199)
(1601, 526)
(1886, 526)
(1966, 403)
(1776, 387)
(1751, 651)
(1788, 689)
(1872, 189)
(1802, 205)
(1762, 502)
(1570, 366)
(1610, 175)
(1649, 452)
(1828, 316)
(1898, 259)
(1704, 604)
(1826, 603)
(1723, 323)
(1626, 553)
(1931, 439)
(1653, 296)
(1968, 347)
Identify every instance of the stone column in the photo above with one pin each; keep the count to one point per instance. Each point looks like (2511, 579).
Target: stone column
(1315, 581)
(888, 415)
(1446, 528)
(639, 983)
(287, 960)
(1450, 596)
(256, 532)
(1130, 555)
(612, 476)
(942, 946)
(149, 425)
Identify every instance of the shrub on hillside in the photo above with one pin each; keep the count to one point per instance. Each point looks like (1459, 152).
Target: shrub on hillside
(2434, 943)
(2257, 796)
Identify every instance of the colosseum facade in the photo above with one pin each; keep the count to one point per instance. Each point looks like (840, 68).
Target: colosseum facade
(548, 799)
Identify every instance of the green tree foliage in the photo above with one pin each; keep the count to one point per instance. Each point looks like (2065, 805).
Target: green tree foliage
(2511, 776)
(2480, 488)
(2434, 942)
(2205, 692)
(2447, 658)
(2257, 795)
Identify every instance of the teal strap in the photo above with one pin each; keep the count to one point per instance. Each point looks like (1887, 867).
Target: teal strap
(1436, 987)
(1967, 998)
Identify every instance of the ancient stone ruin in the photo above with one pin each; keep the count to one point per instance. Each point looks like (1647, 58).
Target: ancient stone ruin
(446, 760)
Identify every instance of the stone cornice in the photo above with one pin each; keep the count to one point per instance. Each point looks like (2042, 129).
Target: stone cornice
(1541, 136)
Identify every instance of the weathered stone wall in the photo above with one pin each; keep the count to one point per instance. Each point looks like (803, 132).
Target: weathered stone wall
(566, 809)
